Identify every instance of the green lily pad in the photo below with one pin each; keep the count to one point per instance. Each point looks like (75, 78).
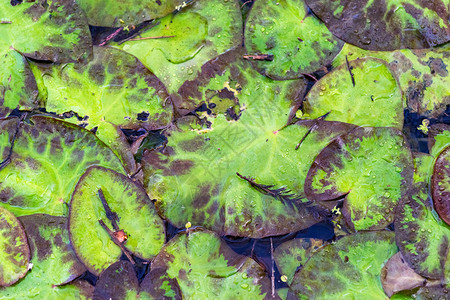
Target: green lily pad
(298, 41)
(386, 25)
(228, 81)
(194, 178)
(55, 30)
(438, 139)
(348, 269)
(421, 236)
(206, 268)
(18, 88)
(422, 75)
(440, 185)
(136, 216)
(47, 160)
(112, 91)
(293, 254)
(197, 34)
(53, 258)
(371, 167)
(366, 95)
(15, 252)
(129, 12)
(53, 263)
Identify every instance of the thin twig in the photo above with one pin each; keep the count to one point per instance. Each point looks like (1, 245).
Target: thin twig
(117, 242)
(350, 71)
(111, 36)
(5, 22)
(266, 57)
(272, 277)
(311, 76)
(243, 4)
(313, 127)
(112, 216)
(306, 134)
(153, 38)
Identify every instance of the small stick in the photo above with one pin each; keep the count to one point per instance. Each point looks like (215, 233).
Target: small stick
(243, 4)
(5, 22)
(350, 71)
(306, 134)
(272, 277)
(267, 57)
(111, 36)
(109, 214)
(153, 38)
(116, 241)
(313, 127)
(310, 75)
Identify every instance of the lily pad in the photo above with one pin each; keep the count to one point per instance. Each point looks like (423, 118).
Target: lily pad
(421, 236)
(53, 264)
(422, 75)
(206, 268)
(296, 41)
(440, 185)
(371, 167)
(18, 88)
(193, 36)
(348, 269)
(386, 25)
(363, 92)
(55, 30)
(113, 91)
(292, 255)
(194, 178)
(53, 258)
(129, 12)
(47, 159)
(228, 81)
(131, 209)
(15, 252)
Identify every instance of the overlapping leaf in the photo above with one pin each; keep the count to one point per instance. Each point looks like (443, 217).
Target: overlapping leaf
(363, 92)
(295, 40)
(292, 255)
(132, 210)
(421, 236)
(205, 268)
(48, 157)
(18, 88)
(422, 75)
(53, 263)
(350, 268)
(440, 185)
(371, 167)
(118, 13)
(54, 30)
(197, 34)
(15, 252)
(112, 91)
(386, 25)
